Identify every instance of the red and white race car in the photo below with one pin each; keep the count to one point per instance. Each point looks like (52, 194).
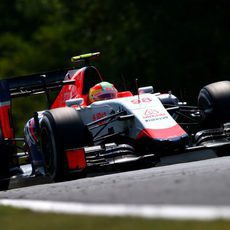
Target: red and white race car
(74, 136)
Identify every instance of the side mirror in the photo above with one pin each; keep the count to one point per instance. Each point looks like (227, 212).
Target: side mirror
(75, 101)
(146, 89)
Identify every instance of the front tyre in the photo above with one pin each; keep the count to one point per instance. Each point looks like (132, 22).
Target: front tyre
(61, 129)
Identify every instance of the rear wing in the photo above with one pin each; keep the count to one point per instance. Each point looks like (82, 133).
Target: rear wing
(41, 82)
(26, 86)
(36, 83)
(33, 84)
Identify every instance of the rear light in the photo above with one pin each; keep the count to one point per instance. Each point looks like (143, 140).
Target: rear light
(76, 158)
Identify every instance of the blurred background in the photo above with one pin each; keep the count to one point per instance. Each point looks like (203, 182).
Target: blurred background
(173, 45)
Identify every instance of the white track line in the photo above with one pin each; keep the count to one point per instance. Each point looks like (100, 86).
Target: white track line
(145, 211)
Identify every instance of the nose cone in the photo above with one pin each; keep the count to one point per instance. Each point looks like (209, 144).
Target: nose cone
(171, 133)
(162, 140)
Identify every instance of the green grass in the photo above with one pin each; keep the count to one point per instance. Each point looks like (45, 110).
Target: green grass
(14, 219)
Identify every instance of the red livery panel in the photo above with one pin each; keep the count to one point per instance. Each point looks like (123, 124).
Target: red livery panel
(164, 134)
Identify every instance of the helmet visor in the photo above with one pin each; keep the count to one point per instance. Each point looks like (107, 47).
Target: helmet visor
(105, 96)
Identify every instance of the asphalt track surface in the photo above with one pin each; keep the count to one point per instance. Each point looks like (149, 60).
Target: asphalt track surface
(202, 182)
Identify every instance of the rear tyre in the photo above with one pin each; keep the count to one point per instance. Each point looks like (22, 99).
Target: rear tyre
(4, 163)
(214, 100)
(4, 167)
(61, 128)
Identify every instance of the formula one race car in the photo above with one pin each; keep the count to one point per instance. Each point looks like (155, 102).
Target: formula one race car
(74, 135)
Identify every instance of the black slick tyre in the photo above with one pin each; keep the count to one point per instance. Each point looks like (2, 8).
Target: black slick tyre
(214, 100)
(61, 129)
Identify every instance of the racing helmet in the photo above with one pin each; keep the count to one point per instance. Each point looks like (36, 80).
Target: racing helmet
(102, 91)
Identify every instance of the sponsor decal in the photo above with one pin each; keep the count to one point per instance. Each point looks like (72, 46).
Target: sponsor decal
(99, 115)
(149, 113)
(144, 100)
(156, 119)
(153, 115)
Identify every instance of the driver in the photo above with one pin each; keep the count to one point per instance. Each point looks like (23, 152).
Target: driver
(102, 91)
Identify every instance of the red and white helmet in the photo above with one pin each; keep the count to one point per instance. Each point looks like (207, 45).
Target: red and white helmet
(102, 91)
